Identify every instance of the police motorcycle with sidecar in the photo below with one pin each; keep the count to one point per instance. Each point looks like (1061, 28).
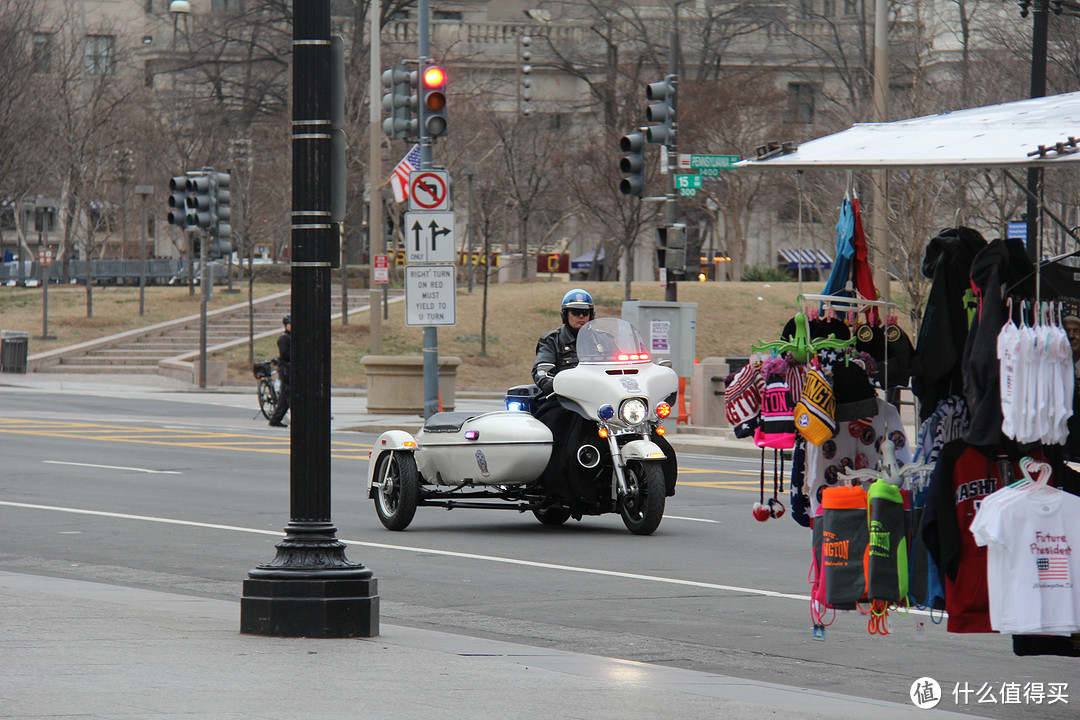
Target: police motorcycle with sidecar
(495, 459)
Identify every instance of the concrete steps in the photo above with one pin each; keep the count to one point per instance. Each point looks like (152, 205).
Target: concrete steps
(172, 348)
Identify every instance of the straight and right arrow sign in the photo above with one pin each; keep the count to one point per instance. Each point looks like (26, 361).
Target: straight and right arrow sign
(429, 237)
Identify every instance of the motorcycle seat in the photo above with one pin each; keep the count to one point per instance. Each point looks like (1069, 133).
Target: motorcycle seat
(447, 422)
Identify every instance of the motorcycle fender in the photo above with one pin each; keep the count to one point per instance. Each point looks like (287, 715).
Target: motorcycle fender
(642, 450)
(392, 440)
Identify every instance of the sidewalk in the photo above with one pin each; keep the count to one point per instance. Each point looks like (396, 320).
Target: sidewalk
(75, 648)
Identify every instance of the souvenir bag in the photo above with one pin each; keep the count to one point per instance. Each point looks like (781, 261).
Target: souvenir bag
(844, 544)
(818, 604)
(887, 560)
(742, 400)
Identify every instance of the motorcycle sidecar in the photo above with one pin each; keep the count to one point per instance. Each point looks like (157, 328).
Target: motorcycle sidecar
(495, 448)
(458, 460)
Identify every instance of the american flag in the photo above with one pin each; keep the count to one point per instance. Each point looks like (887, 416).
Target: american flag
(400, 178)
(1053, 568)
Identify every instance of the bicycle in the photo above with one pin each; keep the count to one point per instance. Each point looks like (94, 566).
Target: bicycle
(269, 384)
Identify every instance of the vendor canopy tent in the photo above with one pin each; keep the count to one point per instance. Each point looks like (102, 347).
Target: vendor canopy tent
(1009, 134)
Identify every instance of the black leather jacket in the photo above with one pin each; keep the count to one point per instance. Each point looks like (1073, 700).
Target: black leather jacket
(559, 348)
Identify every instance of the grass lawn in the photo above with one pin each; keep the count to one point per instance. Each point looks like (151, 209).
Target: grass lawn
(730, 317)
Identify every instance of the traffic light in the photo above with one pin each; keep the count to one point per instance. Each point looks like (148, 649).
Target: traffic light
(178, 201)
(200, 202)
(400, 101)
(433, 101)
(632, 164)
(662, 111)
(671, 248)
(526, 75)
(221, 244)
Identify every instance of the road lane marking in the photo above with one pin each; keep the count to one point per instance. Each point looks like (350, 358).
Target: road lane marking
(441, 553)
(680, 517)
(114, 467)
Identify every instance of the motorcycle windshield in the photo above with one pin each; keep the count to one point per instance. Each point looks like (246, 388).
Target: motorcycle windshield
(610, 339)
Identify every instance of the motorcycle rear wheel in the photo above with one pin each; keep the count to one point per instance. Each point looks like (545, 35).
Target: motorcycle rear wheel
(398, 494)
(554, 515)
(267, 397)
(642, 508)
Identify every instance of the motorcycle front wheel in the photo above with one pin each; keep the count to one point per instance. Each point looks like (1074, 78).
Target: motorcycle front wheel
(398, 492)
(642, 507)
(267, 397)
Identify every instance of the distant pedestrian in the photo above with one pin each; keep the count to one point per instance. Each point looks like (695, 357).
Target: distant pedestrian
(284, 369)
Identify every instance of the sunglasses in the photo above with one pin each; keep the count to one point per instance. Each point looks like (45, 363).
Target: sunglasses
(579, 313)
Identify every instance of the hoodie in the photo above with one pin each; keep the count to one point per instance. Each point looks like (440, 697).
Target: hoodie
(936, 371)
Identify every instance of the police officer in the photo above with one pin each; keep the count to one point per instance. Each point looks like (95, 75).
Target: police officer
(556, 351)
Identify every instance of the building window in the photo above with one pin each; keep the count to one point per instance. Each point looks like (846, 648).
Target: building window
(447, 15)
(227, 6)
(828, 8)
(98, 57)
(801, 103)
(43, 52)
(850, 8)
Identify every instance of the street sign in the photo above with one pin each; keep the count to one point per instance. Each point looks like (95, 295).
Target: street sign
(45, 256)
(430, 295)
(381, 269)
(429, 190)
(707, 165)
(688, 181)
(429, 237)
(688, 192)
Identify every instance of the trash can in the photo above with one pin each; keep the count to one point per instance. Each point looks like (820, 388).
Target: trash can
(13, 350)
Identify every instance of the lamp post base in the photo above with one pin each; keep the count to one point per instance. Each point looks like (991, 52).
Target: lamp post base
(310, 589)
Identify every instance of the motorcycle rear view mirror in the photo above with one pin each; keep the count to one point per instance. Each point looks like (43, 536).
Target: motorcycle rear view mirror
(545, 369)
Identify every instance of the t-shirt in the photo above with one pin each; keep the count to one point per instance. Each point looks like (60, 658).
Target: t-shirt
(857, 446)
(963, 477)
(1033, 560)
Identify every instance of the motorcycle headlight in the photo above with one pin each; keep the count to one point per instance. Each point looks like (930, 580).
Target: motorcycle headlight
(633, 411)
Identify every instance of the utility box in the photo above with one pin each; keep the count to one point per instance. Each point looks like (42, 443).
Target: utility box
(668, 329)
(14, 345)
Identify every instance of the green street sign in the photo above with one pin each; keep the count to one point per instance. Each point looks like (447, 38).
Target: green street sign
(711, 163)
(688, 192)
(688, 181)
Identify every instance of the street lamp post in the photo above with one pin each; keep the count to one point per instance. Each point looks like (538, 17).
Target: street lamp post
(310, 589)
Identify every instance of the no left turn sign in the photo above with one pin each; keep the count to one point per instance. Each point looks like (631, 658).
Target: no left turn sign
(428, 190)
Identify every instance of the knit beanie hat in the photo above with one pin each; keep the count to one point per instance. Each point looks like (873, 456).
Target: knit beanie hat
(855, 397)
(742, 399)
(815, 413)
(777, 429)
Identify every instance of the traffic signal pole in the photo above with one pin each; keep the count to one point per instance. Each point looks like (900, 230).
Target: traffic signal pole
(671, 209)
(431, 333)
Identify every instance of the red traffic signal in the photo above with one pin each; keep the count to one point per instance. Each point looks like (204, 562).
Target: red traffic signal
(433, 99)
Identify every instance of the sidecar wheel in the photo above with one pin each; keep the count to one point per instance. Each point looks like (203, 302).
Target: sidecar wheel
(642, 508)
(553, 515)
(396, 498)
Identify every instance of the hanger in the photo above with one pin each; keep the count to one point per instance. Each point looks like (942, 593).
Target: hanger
(801, 346)
(889, 468)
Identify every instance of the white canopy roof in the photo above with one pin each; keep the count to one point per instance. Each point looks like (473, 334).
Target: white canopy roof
(994, 135)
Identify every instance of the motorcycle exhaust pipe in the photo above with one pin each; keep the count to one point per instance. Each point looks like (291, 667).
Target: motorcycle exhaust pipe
(588, 456)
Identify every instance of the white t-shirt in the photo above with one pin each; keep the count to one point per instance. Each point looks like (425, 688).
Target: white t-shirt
(1033, 559)
(1012, 392)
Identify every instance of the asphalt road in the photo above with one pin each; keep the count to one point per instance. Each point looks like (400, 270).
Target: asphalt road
(188, 496)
